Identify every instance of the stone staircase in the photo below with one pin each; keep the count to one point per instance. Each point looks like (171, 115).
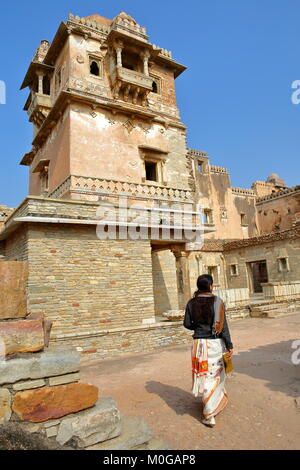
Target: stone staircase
(269, 309)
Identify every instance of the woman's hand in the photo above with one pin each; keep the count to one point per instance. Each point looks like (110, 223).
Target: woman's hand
(229, 353)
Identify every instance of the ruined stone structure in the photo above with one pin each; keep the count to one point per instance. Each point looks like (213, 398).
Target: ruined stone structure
(106, 127)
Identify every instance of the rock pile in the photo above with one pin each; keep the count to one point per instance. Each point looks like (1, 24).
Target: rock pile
(40, 392)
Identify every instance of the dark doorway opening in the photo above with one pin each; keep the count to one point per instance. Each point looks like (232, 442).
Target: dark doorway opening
(259, 273)
(151, 171)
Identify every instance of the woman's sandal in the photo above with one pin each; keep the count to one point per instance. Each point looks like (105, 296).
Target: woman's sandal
(210, 422)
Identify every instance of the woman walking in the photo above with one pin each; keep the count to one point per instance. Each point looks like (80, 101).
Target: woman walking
(205, 314)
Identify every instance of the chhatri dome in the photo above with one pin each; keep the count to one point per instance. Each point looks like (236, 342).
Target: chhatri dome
(276, 180)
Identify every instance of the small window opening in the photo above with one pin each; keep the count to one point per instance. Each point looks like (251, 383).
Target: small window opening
(154, 87)
(46, 85)
(243, 219)
(234, 269)
(94, 68)
(151, 171)
(200, 167)
(283, 264)
(207, 216)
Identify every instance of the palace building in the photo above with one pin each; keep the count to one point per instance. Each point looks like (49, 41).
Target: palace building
(111, 184)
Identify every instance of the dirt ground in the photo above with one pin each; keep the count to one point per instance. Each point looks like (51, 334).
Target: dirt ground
(264, 390)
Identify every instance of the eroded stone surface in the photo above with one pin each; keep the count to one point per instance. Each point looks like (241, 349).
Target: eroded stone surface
(134, 432)
(5, 409)
(13, 275)
(22, 336)
(53, 402)
(92, 426)
(52, 362)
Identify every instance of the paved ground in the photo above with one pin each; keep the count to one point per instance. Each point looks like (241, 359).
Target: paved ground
(264, 391)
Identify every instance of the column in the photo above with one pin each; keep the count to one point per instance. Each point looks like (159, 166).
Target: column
(145, 57)
(40, 78)
(183, 277)
(118, 48)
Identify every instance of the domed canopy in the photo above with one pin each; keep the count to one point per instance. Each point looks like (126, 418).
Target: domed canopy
(276, 180)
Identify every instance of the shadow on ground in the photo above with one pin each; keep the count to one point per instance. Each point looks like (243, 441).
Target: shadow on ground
(179, 400)
(271, 363)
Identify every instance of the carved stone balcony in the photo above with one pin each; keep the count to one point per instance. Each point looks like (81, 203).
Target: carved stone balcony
(39, 108)
(127, 81)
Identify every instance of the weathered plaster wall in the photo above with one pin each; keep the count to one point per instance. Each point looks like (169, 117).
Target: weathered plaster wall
(264, 251)
(57, 150)
(278, 213)
(214, 192)
(106, 147)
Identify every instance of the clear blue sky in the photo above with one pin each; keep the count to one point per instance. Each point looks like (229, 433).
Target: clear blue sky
(235, 97)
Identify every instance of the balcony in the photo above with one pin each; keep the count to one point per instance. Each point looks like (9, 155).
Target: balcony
(39, 108)
(130, 84)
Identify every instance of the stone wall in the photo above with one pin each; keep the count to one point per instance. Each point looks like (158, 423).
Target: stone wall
(164, 281)
(278, 211)
(269, 249)
(281, 291)
(109, 343)
(86, 283)
(16, 245)
(234, 298)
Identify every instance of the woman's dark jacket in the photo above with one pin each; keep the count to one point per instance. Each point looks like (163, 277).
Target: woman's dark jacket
(204, 330)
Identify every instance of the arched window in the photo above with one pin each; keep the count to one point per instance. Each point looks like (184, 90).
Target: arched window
(94, 68)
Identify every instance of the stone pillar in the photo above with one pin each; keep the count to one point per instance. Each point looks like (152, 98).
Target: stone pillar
(40, 78)
(145, 57)
(118, 50)
(163, 173)
(183, 277)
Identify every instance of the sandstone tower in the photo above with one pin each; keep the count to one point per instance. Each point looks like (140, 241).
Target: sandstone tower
(103, 106)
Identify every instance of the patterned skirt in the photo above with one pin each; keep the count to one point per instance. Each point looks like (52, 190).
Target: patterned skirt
(208, 374)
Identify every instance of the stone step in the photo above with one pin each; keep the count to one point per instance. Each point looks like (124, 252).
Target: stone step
(276, 314)
(153, 444)
(134, 432)
(277, 309)
(269, 306)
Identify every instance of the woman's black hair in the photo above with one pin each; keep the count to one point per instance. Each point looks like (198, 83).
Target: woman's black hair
(202, 307)
(204, 282)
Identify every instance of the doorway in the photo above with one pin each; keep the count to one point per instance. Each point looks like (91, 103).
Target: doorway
(259, 274)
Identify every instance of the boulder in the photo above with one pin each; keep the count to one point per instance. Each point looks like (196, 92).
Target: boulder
(100, 423)
(134, 432)
(22, 336)
(54, 402)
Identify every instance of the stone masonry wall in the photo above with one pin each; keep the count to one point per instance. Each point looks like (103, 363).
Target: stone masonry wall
(16, 245)
(84, 283)
(133, 340)
(164, 281)
(265, 251)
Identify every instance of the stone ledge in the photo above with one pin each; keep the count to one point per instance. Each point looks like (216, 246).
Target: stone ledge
(52, 362)
(88, 334)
